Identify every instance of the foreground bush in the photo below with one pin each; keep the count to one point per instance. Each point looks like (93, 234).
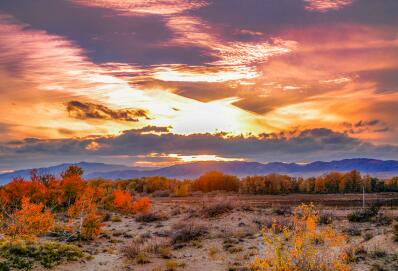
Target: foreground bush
(142, 205)
(30, 220)
(19, 254)
(304, 247)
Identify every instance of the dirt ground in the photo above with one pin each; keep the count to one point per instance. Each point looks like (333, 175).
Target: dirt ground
(234, 238)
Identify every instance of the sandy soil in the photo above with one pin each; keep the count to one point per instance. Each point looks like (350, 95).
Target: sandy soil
(210, 252)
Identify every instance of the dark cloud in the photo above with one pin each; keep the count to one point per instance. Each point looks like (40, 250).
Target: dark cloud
(362, 126)
(84, 110)
(299, 146)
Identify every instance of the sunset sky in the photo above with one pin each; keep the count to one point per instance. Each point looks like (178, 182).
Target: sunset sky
(159, 82)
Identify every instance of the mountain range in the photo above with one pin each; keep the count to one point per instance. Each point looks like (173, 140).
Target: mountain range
(379, 168)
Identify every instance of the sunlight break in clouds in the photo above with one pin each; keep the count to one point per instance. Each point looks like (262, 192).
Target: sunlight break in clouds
(52, 71)
(160, 7)
(184, 73)
(326, 5)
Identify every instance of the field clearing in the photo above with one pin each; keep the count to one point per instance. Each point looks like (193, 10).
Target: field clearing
(233, 239)
(330, 200)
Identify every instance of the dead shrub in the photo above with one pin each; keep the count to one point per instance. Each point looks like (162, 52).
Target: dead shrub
(363, 215)
(150, 217)
(184, 232)
(282, 210)
(326, 218)
(161, 193)
(383, 220)
(352, 231)
(218, 206)
(278, 222)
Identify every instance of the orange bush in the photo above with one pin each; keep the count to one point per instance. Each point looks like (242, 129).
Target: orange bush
(121, 199)
(72, 187)
(30, 220)
(142, 205)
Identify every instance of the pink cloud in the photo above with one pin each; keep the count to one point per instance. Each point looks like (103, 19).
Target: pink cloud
(326, 5)
(136, 7)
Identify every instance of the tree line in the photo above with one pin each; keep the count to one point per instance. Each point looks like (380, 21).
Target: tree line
(271, 184)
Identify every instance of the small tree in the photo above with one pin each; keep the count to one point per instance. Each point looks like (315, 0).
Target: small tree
(72, 171)
(84, 209)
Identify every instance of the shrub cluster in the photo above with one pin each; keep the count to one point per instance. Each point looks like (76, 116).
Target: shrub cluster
(363, 215)
(20, 254)
(25, 204)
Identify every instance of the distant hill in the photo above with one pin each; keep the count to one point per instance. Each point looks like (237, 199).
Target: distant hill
(380, 168)
(89, 168)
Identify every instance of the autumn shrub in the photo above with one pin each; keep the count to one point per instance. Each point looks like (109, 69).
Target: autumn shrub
(182, 190)
(141, 205)
(121, 199)
(29, 221)
(91, 226)
(26, 254)
(305, 247)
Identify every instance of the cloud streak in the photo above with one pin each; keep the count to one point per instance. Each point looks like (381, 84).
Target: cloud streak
(85, 110)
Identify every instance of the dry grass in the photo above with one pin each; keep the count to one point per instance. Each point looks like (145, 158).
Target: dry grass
(141, 248)
(218, 206)
(184, 232)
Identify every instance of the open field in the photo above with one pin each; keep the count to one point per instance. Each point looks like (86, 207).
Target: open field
(231, 239)
(337, 200)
